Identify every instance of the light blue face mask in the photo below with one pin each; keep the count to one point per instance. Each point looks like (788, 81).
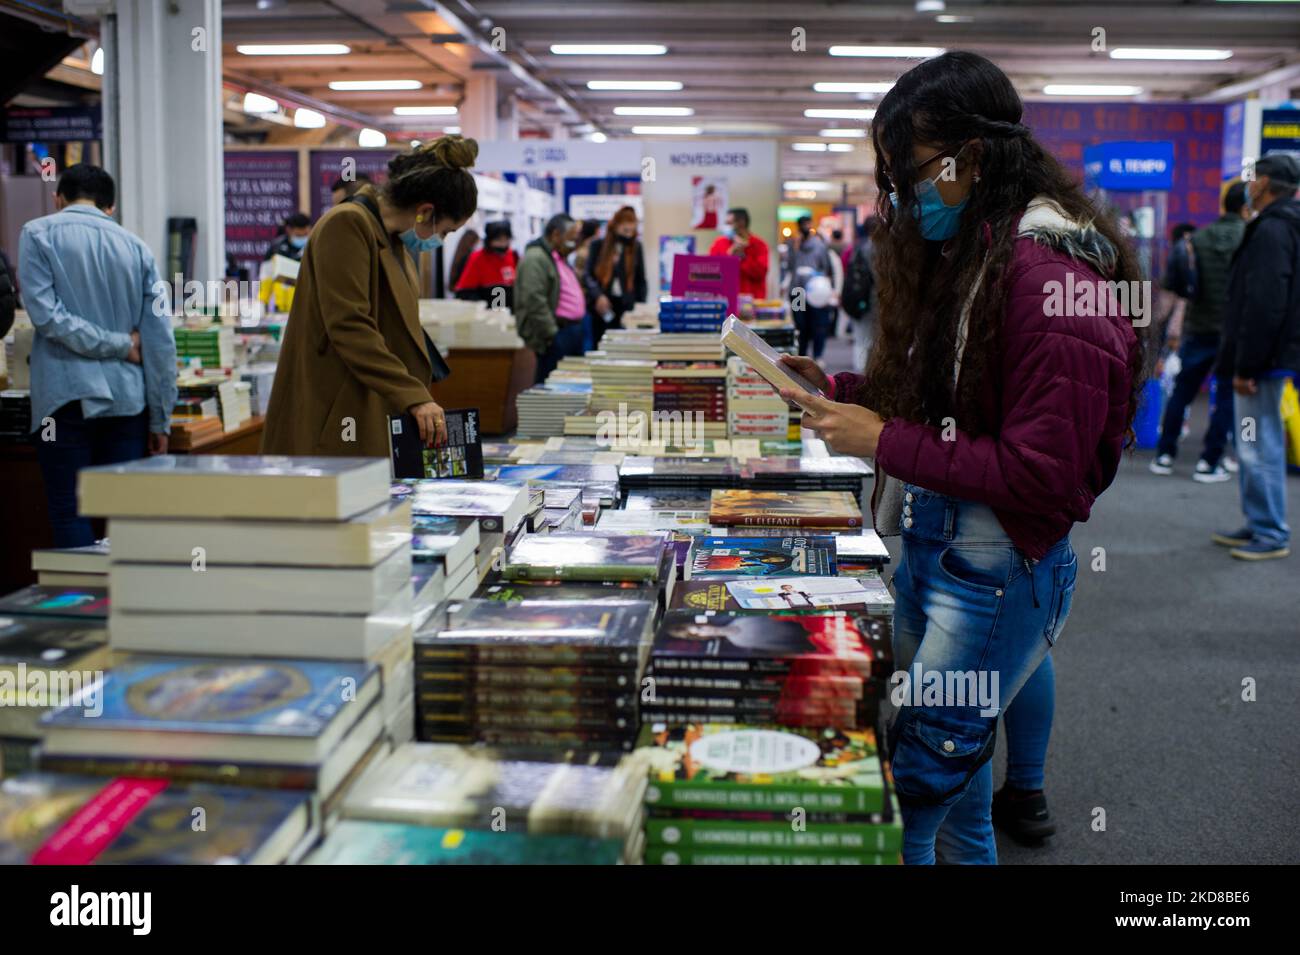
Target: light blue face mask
(939, 221)
(727, 231)
(418, 245)
(298, 241)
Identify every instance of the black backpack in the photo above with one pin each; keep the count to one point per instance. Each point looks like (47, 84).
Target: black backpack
(858, 283)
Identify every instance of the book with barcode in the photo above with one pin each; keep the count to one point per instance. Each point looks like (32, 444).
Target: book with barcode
(460, 456)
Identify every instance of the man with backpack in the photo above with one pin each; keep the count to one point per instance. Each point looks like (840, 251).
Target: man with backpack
(859, 299)
(1198, 273)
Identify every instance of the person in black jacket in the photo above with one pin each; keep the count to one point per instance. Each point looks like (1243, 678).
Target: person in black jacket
(615, 276)
(8, 296)
(1261, 351)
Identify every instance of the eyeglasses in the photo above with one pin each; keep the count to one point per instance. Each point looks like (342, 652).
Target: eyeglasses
(950, 152)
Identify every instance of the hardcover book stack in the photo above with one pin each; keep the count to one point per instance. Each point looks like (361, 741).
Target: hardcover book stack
(444, 552)
(807, 473)
(809, 669)
(754, 408)
(762, 795)
(678, 473)
(553, 674)
(599, 483)
(303, 561)
(233, 397)
(622, 386)
(741, 507)
(694, 393)
(445, 804)
(212, 346)
(652, 346)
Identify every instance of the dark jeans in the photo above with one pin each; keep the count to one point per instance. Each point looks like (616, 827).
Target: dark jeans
(1198, 354)
(79, 443)
(567, 341)
(814, 325)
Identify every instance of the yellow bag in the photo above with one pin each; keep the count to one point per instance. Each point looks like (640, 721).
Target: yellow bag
(1291, 422)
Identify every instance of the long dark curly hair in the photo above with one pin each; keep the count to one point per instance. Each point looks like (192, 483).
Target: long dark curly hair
(954, 99)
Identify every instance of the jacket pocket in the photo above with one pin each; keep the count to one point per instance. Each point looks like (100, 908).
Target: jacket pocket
(1064, 576)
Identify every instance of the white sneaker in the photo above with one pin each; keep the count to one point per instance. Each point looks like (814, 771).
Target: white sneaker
(1210, 475)
(1229, 465)
(1162, 464)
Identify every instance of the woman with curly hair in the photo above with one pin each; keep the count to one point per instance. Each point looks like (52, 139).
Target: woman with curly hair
(996, 403)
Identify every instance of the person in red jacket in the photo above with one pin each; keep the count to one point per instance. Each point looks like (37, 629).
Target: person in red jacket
(489, 275)
(736, 239)
(996, 403)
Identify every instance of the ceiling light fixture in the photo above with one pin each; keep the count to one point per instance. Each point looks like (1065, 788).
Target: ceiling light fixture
(852, 87)
(665, 130)
(358, 85)
(608, 49)
(839, 113)
(598, 137)
(810, 185)
(895, 52)
(97, 62)
(808, 147)
(304, 118)
(1154, 53)
(633, 86)
(843, 133)
(839, 147)
(256, 103)
(425, 111)
(653, 111)
(293, 49)
(1089, 89)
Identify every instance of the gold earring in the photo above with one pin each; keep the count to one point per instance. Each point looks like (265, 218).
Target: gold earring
(419, 218)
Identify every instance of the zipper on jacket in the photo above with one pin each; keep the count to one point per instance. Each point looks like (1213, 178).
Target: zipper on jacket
(1033, 589)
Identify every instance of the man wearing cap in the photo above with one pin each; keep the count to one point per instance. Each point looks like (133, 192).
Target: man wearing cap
(1261, 351)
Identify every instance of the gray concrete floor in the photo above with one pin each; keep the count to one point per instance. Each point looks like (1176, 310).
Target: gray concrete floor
(1150, 721)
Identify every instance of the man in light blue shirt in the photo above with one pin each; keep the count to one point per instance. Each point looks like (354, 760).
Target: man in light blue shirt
(104, 357)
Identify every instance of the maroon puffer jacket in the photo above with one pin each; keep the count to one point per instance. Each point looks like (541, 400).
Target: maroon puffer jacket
(1054, 413)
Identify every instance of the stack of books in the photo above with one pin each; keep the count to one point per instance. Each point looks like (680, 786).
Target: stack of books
(754, 408)
(260, 377)
(684, 315)
(212, 346)
(796, 669)
(599, 483)
(735, 794)
(303, 560)
(444, 552)
(807, 473)
(190, 431)
(72, 566)
(582, 808)
(539, 673)
(641, 345)
(694, 394)
(65, 819)
(741, 507)
(233, 397)
(674, 473)
(499, 508)
(543, 408)
(622, 386)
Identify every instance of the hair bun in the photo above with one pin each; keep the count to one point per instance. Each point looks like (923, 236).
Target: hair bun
(455, 152)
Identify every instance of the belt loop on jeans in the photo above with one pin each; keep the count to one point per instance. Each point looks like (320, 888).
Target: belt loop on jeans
(949, 519)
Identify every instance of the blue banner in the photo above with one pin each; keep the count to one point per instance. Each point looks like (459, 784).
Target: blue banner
(1130, 166)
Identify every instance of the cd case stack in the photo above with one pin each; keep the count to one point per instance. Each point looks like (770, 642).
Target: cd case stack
(764, 795)
(549, 674)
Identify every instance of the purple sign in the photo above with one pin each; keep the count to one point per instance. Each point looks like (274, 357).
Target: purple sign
(328, 165)
(261, 191)
(1195, 129)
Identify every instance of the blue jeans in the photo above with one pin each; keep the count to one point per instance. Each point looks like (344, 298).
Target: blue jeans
(1198, 355)
(78, 443)
(1263, 462)
(1027, 724)
(814, 325)
(973, 612)
(567, 341)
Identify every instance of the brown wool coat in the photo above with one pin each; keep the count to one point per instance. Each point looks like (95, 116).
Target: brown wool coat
(353, 347)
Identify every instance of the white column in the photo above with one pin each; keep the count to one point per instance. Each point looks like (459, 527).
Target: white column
(162, 123)
(478, 111)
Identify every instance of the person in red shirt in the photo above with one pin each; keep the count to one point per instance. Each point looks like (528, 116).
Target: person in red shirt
(491, 268)
(736, 239)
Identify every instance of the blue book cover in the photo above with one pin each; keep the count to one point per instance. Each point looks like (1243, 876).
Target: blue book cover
(790, 556)
(289, 698)
(573, 473)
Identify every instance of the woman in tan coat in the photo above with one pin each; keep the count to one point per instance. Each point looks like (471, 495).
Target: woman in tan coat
(353, 351)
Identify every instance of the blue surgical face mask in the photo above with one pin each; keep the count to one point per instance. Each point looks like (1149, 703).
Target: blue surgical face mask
(939, 221)
(298, 241)
(727, 231)
(418, 245)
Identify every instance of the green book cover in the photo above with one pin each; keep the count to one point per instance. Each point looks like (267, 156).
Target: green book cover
(355, 842)
(667, 855)
(720, 835)
(763, 768)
